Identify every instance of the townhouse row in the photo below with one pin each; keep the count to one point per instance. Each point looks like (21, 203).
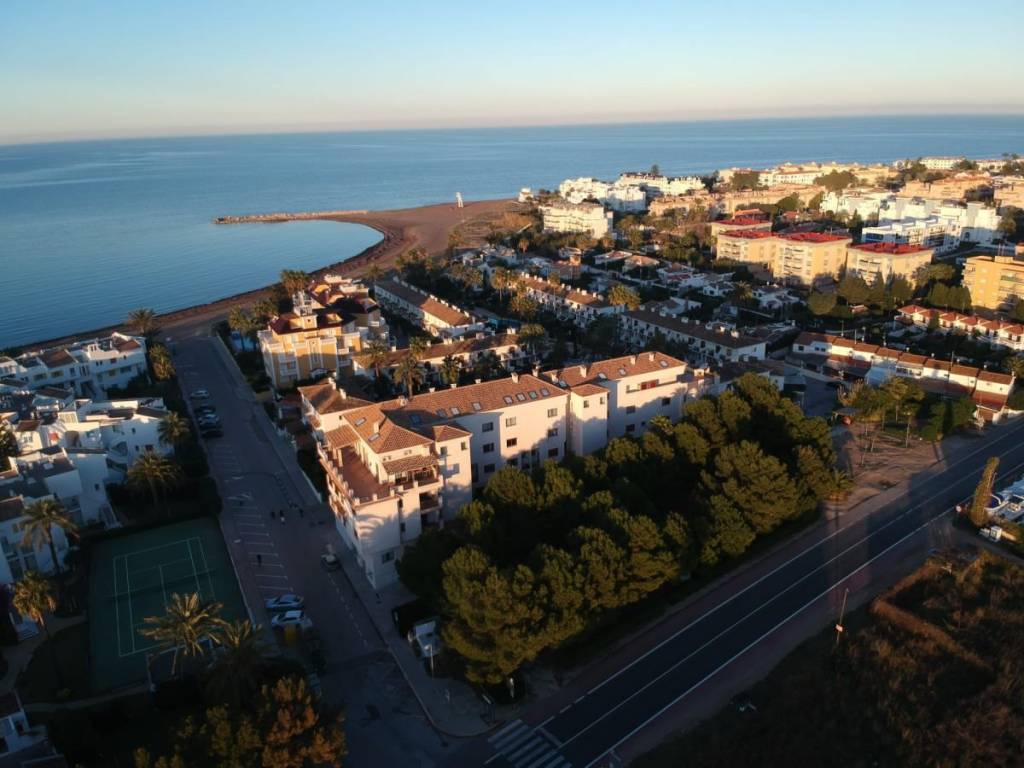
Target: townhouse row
(89, 368)
(397, 468)
(996, 332)
(875, 364)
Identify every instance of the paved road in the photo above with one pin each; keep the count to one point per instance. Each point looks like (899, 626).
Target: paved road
(384, 724)
(620, 707)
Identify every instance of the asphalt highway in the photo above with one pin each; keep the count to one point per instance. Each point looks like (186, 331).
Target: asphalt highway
(618, 708)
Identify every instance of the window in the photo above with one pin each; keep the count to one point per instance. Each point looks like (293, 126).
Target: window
(475, 473)
(488, 447)
(387, 557)
(401, 527)
(510, 421)
(553, 432)
(552, 412)
(666, 401)
(553, 453)
(513, 462)
(648, 384)
(488, 468)
(444, 450)
(586, 403)
(630, 428)
(512, 442)
(630, 409)
(462, 445)
(488, 426)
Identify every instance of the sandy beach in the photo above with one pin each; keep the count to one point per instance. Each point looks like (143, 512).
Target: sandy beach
(403, 229)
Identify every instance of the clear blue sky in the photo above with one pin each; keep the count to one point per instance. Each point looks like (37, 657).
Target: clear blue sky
(84, 68)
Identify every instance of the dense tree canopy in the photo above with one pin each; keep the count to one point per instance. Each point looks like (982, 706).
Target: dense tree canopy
(539, 556)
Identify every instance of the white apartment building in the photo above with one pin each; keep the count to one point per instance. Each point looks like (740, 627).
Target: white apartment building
(584, 188)
(619, 397)
(626, 199)
(941, 163)
(48, 474)
(865, 203)
(468, 350)
(661, 186)
(998, 333)
(437, 317)
(927, 233)
(704, 343)
(88, 367)
(585, 218)
(396, 467)
(887, 259)
(578, 306)
(875, 364)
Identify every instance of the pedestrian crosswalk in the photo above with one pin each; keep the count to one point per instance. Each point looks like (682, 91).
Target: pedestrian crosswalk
(523, 746)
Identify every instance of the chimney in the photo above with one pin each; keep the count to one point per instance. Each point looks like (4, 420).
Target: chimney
(632, 359)
(430, 390)
(515, 378)
(333, 383)
(583, 370)
(650, 356)
(453, 385)
(341, 391)
(478, 381)
(536, 370)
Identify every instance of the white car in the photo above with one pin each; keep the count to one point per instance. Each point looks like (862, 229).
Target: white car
(285, 603)
(199, 394)
(290, 619)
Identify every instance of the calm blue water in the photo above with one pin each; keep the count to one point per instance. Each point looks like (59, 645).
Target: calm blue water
(89, 230)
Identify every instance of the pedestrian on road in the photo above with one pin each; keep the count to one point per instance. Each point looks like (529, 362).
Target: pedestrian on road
(282, 517)
(259, 559)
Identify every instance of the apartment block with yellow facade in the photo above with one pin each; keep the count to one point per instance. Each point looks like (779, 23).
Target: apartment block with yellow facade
(748, 246)
(890, 259)
(799, 258)
(327, 326)
(995, 282)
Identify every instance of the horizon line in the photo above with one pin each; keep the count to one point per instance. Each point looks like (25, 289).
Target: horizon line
(320, 128)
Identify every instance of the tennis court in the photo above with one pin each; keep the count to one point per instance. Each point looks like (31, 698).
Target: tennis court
(133, 576)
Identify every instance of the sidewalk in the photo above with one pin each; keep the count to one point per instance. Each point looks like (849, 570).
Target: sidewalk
(451, 706)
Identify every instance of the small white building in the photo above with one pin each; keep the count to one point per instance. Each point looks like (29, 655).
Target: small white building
(584, 218)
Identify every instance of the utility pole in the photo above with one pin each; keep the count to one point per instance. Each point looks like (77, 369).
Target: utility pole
(842, 613)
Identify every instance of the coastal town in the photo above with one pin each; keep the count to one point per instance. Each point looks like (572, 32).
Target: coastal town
(515, 452)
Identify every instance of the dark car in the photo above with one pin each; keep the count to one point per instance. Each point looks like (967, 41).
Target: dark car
(203, 410)
(210, 432)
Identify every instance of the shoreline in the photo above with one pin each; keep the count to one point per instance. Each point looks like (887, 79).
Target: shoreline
(401, 229)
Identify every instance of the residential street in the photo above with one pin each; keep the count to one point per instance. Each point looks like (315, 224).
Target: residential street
(754, 616)
(385, 725)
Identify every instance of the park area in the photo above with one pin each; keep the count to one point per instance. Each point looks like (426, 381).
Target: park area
(132, 577)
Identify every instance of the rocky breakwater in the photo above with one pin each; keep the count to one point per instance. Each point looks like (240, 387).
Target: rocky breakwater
(281, 216)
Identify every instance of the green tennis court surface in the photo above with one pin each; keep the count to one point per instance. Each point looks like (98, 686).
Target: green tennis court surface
(133, 576)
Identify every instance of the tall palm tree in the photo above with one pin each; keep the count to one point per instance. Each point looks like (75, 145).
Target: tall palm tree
(152, 471)
(417, 346)
(375, 355)
(43, 516)
(174, 430)
(530, 335)
(142, 320)
(8, 442)
(240, 652)
(293, 280)
(374, 273)
(160, 362)
(186, 624)
(33, 597)
(410, 373)
(451, 367)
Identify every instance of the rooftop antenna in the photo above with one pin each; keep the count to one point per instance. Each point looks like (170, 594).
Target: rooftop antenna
(458, 200)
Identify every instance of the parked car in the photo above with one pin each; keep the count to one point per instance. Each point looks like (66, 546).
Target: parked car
(210, 432)
(290, 619)
(199, 394)
(285, 603)
(210, 418)
(330, 561)
(203, 410)
(425, 639)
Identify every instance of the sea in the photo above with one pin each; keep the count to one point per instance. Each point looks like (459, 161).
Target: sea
(90, 230)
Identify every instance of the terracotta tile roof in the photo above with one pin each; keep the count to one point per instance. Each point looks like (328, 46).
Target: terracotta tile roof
(410, 464)
(748, 234)
(54, 358)
(329, 319)
(437, 352)
(326, 399)
(996, 378)
(27, 425)
(694, 330)
(614, 369)
(587, 390)
(565, 292)
(445, 432)
(446, 404)
(127, 345)
(381, 433)
(340, 437)
(424, 301)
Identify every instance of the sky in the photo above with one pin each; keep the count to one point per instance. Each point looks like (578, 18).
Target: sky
(107, 68)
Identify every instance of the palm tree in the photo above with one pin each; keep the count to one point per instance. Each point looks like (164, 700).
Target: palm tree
(293, 280)
(374, 273)
(620, 295)
(174, 430)
(160, 361)
(375, 355)
(409, 373)
(451, 367)
(417, 346)
(264, 309)
(142, 320)
(8, 442)
(186, 624)
(152, 471)
(842, 484)
(33, 597)
(531, 334)
(43, 516)
(500, 281)
(240, 652)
